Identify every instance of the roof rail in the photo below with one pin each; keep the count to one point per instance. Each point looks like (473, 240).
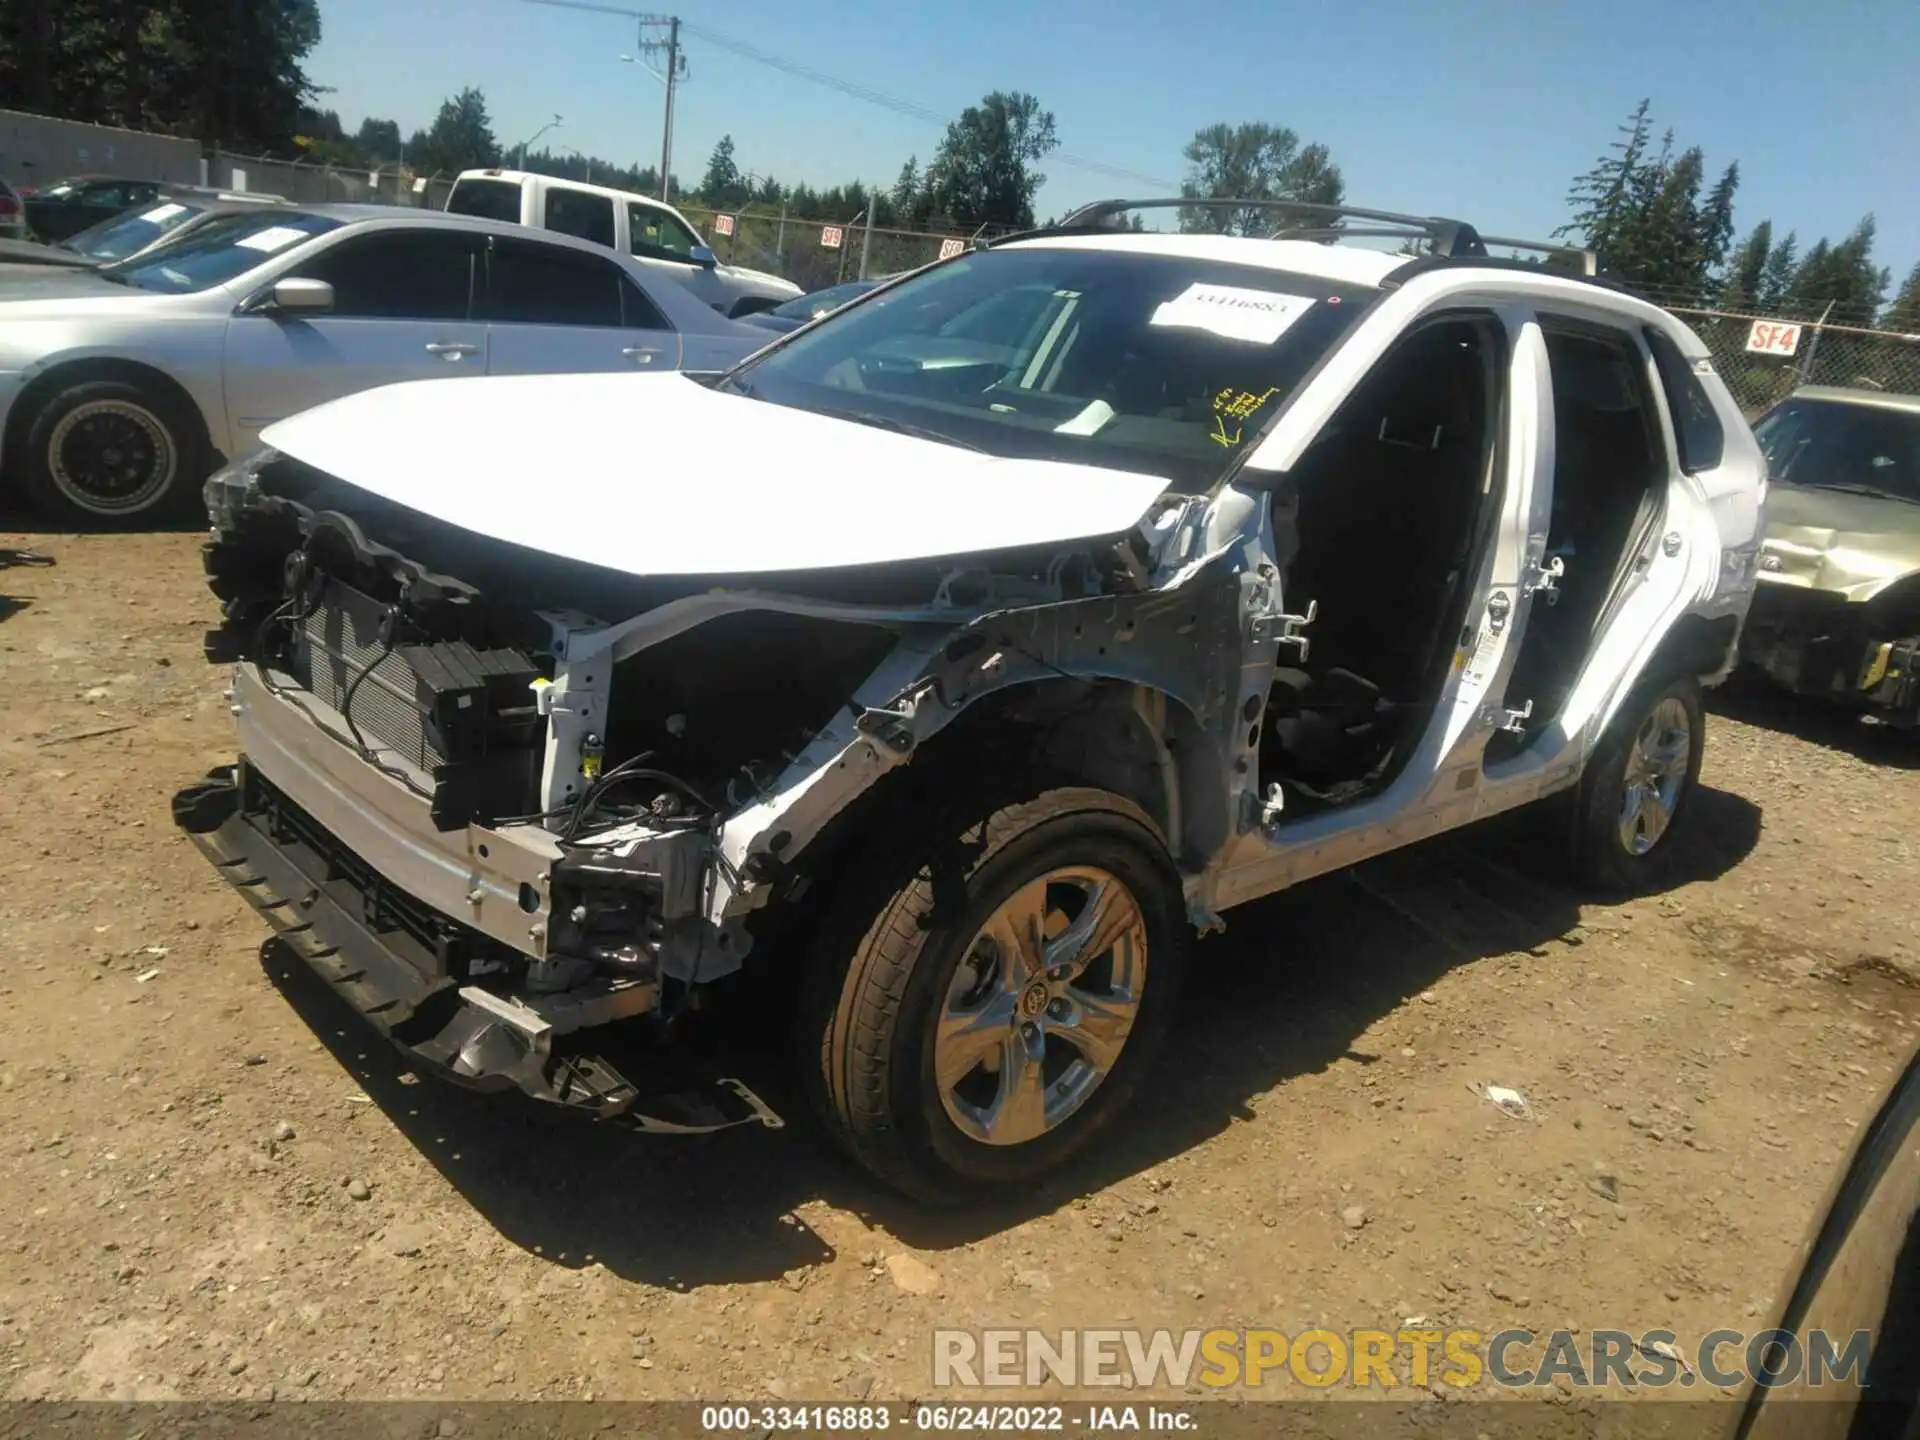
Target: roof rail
(1453, 238)
(1588, 261)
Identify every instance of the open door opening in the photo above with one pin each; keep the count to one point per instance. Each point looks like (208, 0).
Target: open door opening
(1609, 474)
(1385, 516)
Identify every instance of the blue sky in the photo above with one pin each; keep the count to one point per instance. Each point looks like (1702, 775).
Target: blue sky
(1478, 109)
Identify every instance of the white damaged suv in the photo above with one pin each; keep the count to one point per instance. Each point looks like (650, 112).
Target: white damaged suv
(941, 670)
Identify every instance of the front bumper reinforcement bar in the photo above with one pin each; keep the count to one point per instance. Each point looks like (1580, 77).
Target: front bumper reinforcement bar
(337, 918)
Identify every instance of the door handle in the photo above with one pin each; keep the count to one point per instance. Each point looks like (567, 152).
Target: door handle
(641, 354)
(451, 349)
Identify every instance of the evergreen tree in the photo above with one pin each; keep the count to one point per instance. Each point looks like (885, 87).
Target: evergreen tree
(460, 138)
(722, 186)
(1743, 285)
(1643, 211)
(1904, 314)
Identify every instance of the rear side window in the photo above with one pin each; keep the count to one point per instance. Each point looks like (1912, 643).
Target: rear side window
(489, 199)
(1605, 426)
(1695, 425)
(573, 212)
(638, 310)
(534, 284)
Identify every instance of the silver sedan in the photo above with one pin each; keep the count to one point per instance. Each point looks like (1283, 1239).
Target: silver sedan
(121, 388)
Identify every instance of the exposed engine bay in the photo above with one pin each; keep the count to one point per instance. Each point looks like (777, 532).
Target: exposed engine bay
(617, 771)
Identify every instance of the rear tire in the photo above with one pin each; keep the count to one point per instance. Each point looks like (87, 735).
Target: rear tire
(1638, 787)
(951, 1061)
(113, 454)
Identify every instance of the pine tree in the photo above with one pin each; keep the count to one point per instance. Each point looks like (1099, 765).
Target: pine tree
(1904, 314)
(1741, 289)
(1601, 199)
(1777, 278)
(1716, 217)
(722, 186)
(904, 198)
(1642, 210)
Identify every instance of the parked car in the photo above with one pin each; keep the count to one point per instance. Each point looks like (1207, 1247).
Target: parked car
(792, 314)
(952, 661)
(653, 232)
(13, 215)
(126, 234)
(122, 386)
(1838, 612)
(67, 207)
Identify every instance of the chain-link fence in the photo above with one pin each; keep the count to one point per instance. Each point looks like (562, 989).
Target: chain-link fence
(1764, 358)
(308, 184)
(817, 253)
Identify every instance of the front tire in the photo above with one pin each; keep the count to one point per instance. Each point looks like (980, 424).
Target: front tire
(112, 453)
(1638, 787)
(988, 1001)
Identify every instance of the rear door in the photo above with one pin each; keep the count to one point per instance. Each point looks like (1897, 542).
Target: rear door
(403, 310)
(552, 309)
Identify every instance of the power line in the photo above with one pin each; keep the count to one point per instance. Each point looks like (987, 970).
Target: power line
(803, 71)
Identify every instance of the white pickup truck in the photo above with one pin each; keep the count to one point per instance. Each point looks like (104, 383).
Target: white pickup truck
(654, 233)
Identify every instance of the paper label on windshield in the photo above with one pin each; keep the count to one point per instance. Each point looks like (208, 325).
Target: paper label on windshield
(1258, 316)
(274, 237)
(161, 213)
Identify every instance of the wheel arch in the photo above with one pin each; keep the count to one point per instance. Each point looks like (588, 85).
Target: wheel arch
(1131, 739)
(1698, 645)
(81, 369)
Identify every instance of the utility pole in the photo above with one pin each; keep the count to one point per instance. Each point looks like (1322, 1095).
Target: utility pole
(675, 72)
(866, 236)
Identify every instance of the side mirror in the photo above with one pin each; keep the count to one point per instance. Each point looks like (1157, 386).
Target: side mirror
(703, 256)
(294, 296)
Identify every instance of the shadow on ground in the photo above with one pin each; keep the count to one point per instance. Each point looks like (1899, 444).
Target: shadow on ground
(1753, 701)
(14, 559)
(1285, 992)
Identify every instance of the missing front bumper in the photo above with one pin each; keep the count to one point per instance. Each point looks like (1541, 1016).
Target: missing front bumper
(1816, 643)
(391, 958)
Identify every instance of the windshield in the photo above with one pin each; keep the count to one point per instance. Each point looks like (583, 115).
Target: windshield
(1830, 445)
(809, 307)
(215, 252)
(123, 235)
(1159, 363)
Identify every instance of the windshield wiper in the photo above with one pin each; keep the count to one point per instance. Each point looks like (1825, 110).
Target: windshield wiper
(902, 427)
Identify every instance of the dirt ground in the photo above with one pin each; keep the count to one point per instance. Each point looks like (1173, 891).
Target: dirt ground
(181, 1106)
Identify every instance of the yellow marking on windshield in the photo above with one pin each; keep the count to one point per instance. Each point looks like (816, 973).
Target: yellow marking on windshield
(1238, 406)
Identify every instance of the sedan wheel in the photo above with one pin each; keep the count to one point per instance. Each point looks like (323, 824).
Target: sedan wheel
(113, 452)
(111, 457)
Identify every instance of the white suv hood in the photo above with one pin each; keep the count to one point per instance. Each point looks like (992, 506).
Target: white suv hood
(658, 475)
